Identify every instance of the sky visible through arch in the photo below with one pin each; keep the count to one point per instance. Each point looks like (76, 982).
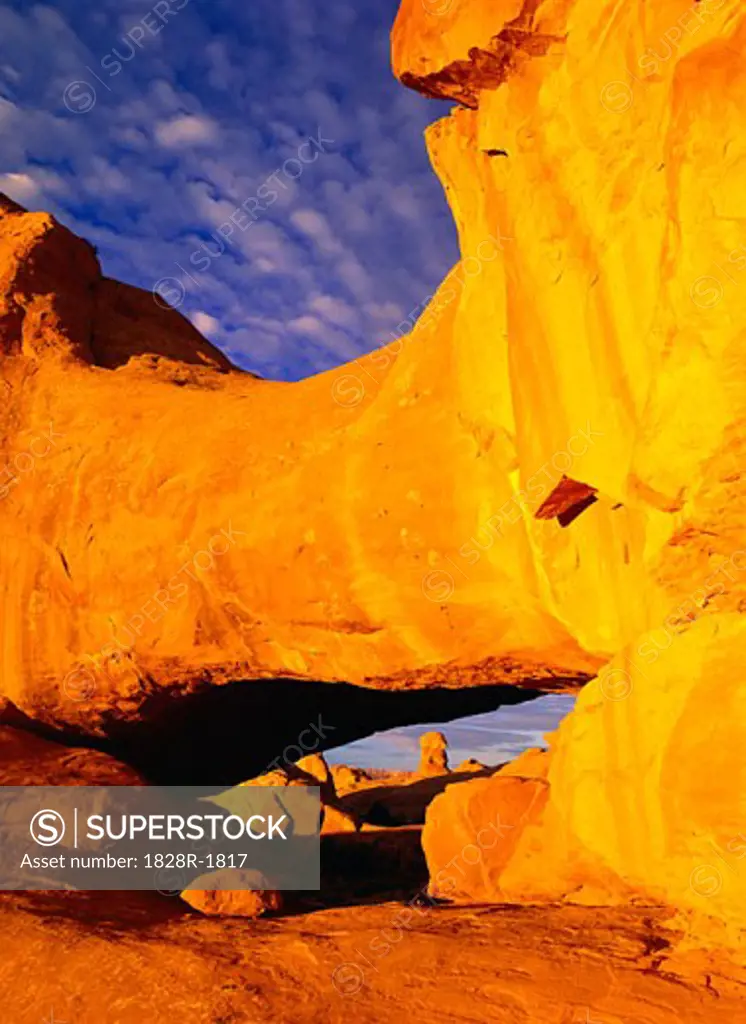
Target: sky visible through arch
(492, 738)
(145, 126)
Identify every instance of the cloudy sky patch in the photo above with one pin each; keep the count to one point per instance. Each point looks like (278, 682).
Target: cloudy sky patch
(146, 126)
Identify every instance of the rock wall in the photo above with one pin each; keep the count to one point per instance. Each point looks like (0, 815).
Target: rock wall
(170, 523)
(606, 145)
(617, 303)
(643, 799)
(545, 468)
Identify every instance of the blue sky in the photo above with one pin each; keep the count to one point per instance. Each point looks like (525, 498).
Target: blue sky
(146, 125)
(493, 737)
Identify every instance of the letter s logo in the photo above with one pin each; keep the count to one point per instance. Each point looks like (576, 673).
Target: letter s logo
(47, 828)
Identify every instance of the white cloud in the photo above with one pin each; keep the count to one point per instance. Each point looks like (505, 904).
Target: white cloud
(206, 324)
(106, 179)
(316, 227)
(352, 273)
(209, 118)
(386, 312)
(331, 340)
(308, 325)
(262, 345)
(334, 310)
(20, 187)
(10, 72)
(186, 130)
(8, 113)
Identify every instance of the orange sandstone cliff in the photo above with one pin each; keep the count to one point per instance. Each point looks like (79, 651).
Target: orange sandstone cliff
(540, 487)
(606, 143)
(543, 473)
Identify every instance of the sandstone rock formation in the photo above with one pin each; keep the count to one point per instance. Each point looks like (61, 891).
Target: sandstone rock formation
(471, 764)
(648, 788)
(581, 143)
(28, 760)
(347, 778)
(532, 763)
(315, 767)
(551, 965)
(544, 475)
(313, 771)
(133, 570)
(591, 314)
(433, 754)
(232, 902)
(642, 796)
(572, 403)
(471, 833)
(546, 471)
